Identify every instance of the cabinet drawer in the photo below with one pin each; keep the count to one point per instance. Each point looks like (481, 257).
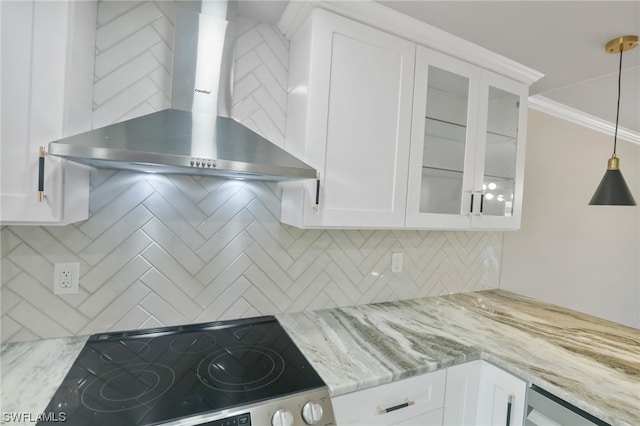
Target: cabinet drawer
(421, 399)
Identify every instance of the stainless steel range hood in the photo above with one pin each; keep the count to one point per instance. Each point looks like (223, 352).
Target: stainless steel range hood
(196, 135)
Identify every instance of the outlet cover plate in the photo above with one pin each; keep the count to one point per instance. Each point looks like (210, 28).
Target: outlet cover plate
(66, 278)
(396, 262)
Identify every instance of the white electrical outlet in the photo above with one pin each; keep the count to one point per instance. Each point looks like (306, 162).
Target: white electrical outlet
(396, 263)
(66, 278)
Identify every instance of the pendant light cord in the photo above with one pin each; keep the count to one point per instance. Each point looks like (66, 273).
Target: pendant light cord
(615, 135)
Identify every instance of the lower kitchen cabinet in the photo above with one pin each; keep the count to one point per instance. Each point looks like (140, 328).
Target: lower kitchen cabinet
(461, 398)
(479, 393)
(416, 401)
(470, 394)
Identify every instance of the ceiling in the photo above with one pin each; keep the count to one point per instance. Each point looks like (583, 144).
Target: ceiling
(562, 39)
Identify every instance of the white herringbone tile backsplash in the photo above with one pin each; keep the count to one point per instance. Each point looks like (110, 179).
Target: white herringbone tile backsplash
(166, 250)
(134, 43)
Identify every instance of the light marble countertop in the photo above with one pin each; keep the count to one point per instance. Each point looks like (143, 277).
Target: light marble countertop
(31, 373)
(590, 362)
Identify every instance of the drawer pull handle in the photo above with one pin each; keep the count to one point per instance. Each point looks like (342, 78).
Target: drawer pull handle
(395, 407)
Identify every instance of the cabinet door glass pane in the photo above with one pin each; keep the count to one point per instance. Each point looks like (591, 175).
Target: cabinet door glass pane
(500, 157)
(444, 142)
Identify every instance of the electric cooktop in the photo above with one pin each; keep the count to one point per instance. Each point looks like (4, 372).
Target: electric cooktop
(215, 373)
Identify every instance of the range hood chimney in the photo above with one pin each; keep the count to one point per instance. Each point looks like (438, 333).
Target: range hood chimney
(195, 135)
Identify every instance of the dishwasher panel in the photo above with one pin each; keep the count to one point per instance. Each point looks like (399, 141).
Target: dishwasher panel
(546, 409)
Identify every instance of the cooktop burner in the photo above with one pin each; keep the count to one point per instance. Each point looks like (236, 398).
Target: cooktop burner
(119, 390)
(147, 377)
(240, 368)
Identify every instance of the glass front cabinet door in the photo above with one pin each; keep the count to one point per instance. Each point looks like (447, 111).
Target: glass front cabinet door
(467, 146)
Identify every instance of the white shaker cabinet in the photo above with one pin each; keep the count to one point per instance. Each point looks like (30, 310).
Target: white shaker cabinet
(416, 401)
(48, 51)
(470, 394)
(349, 116)
(467, 146)
(479, 393)
(461, 398)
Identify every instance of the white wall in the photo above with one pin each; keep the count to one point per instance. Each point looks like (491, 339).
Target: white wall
(567, 252)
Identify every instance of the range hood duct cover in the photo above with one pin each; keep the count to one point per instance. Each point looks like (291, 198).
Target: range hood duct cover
(195, 135)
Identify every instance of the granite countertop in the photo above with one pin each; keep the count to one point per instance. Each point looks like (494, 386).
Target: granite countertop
(590, 362)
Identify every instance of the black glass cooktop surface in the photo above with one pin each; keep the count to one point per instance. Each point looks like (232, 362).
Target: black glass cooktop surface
(146, 377)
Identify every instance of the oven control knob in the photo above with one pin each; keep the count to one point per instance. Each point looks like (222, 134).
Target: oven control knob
(312, 412)
(282, 417)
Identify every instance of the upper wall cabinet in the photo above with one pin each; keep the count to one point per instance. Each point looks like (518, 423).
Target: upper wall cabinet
(467, 146)
(403, 136)
(349, 116)
(48, 51)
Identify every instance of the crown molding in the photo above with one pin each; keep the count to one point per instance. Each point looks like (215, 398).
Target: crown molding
(543, 104)
(412, 29)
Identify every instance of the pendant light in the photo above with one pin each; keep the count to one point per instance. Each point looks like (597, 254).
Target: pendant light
(613, 190)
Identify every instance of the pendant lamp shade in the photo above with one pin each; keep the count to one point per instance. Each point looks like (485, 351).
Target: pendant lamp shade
(613, 189)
